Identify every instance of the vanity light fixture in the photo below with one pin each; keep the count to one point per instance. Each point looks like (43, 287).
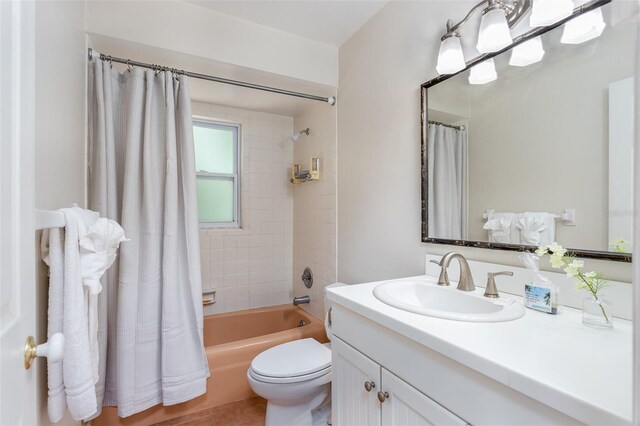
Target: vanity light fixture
(500, 16)
(483, 73)
(584, 27)
(527, 53)
(548, 12)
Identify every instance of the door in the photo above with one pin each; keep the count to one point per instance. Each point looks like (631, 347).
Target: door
(353, 404)
(405, 405)
(18, 404)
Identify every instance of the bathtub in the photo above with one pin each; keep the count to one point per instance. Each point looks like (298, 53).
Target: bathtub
(231, 341)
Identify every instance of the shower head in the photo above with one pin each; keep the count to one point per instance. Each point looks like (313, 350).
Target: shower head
(296, 136)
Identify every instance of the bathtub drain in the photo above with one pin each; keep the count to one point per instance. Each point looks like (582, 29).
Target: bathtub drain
(302, 323)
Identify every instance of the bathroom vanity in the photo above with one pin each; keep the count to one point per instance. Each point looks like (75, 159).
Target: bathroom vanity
(391, 366)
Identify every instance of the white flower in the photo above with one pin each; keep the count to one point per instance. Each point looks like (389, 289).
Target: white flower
(557, 261)
(573, 269)
(557, 249)
(542, 250)
(590, 275)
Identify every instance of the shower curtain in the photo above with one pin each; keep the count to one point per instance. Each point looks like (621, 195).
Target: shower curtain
(447, 182)
(142, 174)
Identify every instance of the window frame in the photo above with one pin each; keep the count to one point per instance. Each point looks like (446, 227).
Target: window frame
(235, 177)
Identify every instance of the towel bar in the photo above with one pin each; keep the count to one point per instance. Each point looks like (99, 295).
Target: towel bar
(49, 219)
(568, 217)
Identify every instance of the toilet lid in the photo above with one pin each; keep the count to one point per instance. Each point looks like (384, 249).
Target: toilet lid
(296, 358)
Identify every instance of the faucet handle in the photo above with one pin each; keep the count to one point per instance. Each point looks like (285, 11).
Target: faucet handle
(443, 279)
(491, 290)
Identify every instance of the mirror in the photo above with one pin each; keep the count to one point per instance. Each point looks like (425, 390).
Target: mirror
(543, 153)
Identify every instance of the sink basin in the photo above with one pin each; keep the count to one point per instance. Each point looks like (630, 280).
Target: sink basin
(424, 298)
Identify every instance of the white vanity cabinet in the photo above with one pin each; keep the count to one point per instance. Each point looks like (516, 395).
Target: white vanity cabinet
(365, 394)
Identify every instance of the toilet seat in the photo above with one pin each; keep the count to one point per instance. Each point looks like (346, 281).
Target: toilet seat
(291, 362)
(294, 379)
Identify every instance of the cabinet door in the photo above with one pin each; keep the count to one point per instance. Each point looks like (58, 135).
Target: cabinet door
(352, 404)
(405, 405)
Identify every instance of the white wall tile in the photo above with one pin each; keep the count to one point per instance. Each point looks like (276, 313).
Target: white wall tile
(251, 267)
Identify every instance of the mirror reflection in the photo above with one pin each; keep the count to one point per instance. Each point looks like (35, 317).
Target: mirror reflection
(542, 153)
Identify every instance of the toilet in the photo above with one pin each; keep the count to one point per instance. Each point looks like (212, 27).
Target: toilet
(295, 379)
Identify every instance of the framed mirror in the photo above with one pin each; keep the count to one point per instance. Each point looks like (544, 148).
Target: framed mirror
(542, 153)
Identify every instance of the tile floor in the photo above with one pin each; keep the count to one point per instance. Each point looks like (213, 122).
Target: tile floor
(248, 412)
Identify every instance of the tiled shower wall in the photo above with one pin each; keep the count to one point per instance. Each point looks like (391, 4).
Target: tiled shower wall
(251, 267)
(314, 206)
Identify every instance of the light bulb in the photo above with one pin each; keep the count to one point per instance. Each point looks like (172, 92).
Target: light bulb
(450, 56)
(483, 73)
(582, 28)
(494, 32)
(527, 53)
(547, 12)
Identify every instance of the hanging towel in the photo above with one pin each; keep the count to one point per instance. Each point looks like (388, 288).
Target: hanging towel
(77, 260)
(98, 248)
(548, 234)
(499, 227)
(531, 226)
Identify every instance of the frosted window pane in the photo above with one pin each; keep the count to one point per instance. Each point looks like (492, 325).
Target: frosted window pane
(214, 149)
(215, 199)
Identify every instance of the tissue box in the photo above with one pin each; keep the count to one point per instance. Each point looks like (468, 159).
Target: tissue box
(540, 298)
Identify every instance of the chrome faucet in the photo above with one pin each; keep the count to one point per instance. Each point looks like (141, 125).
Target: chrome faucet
(465, 283)
(301, 299)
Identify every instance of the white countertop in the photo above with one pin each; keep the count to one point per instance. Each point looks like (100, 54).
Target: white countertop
(583, 372)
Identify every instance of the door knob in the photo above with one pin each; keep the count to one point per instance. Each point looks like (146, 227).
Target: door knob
(53, 349)
(369, 385)
(382, 396)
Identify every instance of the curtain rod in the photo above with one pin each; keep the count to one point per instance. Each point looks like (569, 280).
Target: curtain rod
(446, 125)
(96, 55)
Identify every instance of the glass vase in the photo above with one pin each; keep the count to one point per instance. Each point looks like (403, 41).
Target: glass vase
(597, 312)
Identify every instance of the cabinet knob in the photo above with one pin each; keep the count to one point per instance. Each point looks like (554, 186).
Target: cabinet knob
(382, 396)
(369, 385)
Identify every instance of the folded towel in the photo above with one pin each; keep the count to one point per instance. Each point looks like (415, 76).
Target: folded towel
(73, 297)
(548, 234)
(531, 226)
(499, 227)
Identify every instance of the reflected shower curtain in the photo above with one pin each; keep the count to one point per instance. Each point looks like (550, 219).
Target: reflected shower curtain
(142, 174)
(447, 178)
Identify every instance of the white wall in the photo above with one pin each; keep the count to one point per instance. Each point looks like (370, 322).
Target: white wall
(251, 267)
(59, 133)
(381, 69)
(314, 206)
(194, 30)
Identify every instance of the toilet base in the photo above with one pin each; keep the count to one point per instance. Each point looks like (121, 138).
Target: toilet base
(314, 412)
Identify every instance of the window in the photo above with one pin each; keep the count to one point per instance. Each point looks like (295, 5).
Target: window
(217, 170)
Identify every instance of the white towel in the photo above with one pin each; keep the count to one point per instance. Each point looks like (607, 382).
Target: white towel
(53, 255)
(98, 247)
(544, 222)
(73, 306)
(499, 227)
(531, 226)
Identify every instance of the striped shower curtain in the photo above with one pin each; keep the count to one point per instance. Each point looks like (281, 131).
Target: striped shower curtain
(142, 174)
(447, 182)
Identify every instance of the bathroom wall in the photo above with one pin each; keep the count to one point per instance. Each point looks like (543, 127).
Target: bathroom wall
(251, 267)
(381, 69)
(314, 205)
(59, 135)
(190, 29)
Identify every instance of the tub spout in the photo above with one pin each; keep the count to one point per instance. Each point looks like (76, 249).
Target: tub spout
(301, 299)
